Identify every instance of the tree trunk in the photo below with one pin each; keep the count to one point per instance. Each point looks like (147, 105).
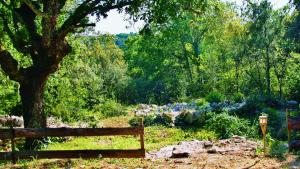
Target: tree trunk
(280, 88)
(237, 76)
(268, 77)
(187, 62)
(32, 97)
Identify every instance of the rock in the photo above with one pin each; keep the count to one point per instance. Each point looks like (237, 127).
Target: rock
(238, 139)
(185, 113)
(6, 121)
(185, 149)
(145, 110)
(212, 150)
(208, 144)
(165, 152)
(178, 161)
(179, 154)
(56, 123)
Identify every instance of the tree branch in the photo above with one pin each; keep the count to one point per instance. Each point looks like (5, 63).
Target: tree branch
(10, 66)
(85, 9)
(18, 43)
(34, 9)
(26, 17)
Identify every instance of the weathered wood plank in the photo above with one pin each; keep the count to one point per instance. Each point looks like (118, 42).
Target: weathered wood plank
(58, 154)
(294, 123)
(63, 132)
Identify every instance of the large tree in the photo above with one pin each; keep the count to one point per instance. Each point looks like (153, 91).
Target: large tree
(38, 29)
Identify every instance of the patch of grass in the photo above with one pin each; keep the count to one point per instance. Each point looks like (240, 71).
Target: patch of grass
(155, 138)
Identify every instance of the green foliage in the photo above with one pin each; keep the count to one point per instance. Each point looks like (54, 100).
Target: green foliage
(225, 125)
(201, 102)
(238, 97)
(152, 120)
(277, 149)
(110, 108)
(87, 79)
(253, 104)
(205, 135)
(215, 97)
(8, 95)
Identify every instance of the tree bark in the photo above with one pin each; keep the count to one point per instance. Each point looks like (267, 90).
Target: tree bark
(32, 97)
(186, 57)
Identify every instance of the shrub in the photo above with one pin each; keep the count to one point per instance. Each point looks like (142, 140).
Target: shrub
(238, 97)
(225, 125)
(201, 102)
(135, 122)
(164, 119)
(205, 135)
(110, 109)
(151, 120)
(277, 148)
(215, 97)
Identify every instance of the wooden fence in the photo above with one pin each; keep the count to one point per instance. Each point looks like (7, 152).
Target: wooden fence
(14, 133)
(293, 124)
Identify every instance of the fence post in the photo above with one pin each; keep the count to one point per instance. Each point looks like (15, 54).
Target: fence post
(13, 144)
(142, 134)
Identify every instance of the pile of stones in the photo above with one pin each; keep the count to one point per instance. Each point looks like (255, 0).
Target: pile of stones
(17, 121)
(233, 145)
(184, 113)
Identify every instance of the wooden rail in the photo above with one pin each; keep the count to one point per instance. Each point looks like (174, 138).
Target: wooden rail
(293, 124)
(64, 132)
(13, 133)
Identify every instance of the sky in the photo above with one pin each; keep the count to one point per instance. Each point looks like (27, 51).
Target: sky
(116, 23)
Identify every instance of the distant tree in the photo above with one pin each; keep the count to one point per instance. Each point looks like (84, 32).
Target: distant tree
(266, 30)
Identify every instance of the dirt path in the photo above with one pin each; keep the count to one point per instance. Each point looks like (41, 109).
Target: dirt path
(196, 161)
(234, 153)
(217, 161)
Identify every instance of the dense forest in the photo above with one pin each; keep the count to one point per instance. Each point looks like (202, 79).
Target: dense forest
(236, 52)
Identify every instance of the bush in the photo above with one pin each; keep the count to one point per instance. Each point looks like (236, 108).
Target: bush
(238, 97)
(110, 109)
(205, 135)
(201, 102)
(225, 125)
(151, 120)
(215, 97)
(277, 148)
